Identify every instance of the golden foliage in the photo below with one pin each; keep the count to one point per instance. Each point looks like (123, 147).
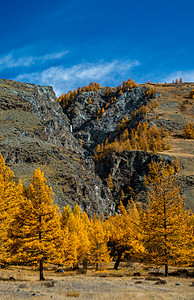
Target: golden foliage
(150, 92)
(141, 112)
(143, 138)
(66, 99)
(159, 169)
(32, 231)
(124, 234)
(110, 183)
(98, 236)
(188, 131)
(89, 101)
(11, 196)
(192, 94)
(75, 235)
(126, 86)
(166, 227)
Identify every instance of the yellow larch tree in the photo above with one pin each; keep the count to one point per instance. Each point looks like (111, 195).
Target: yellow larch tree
(75, 231)
(98, 237)
(188, 131)
(124, 235)
(67, 211)
(166, 225)
(35, 233)
(110, 182)
(10, 197)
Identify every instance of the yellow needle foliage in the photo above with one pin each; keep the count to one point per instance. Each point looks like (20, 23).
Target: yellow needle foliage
(192, 93)
(124, 235)
(66, 99)
(143, 138)
(166, 225)
(10, 198)
(188, 131)
(126, 86)
(98, 237)
(75, 233)
(35, 234)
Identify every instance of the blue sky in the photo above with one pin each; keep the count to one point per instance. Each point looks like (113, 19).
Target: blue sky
(69, 43)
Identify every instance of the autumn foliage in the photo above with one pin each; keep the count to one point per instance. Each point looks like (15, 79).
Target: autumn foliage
(192, 93)
(33, 232)
(188, 131)
(66, 99)
(126, 86)
(144, 137)
(110, 94)
(166, 226)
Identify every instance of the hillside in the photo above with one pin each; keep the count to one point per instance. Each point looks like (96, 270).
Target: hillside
(35, 131)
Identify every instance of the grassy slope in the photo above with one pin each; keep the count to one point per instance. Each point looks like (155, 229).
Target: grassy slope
(176, 108)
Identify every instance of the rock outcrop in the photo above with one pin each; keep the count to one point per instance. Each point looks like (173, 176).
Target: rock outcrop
(83, 115)
(34, 132)
(127, 170)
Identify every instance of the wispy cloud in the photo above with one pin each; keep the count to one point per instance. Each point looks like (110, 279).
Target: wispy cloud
(187, 76)
(12, 61)
(63, 79)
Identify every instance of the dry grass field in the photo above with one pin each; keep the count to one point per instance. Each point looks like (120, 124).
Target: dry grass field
(108, 284)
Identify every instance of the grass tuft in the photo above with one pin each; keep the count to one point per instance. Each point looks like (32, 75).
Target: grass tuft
(73, 294)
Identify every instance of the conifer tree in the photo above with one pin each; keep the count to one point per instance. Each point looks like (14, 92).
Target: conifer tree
(124, 235)
(110, 182)
(10, 197)
(75, 232)
(98, 237)
(188, 131)
(166, 226)
(65, 216)
(35, 234)
(89, 101)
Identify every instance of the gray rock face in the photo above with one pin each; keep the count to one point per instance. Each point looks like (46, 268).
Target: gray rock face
(44, 105)
(127, 170)
(34, 133)
(83, 115)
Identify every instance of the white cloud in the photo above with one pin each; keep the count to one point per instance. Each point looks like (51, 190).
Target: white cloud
(187, 76)
(11, 61)
(64, 79)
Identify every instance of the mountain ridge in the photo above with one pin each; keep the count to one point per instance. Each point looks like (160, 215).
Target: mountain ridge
(35, 131)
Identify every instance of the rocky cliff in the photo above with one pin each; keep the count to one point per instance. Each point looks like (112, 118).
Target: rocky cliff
(83, 115)
(36, 132)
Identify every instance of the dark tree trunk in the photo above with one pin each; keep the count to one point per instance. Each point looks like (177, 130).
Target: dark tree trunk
(41, 270)
(75, 267)
(85, 264)
(96, 266)
(118, 259)
(166, 270)
(165, 238)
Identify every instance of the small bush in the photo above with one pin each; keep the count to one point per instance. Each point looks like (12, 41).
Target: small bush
(192, 94)
(81, 271)
(161, 281)
(151, 92)
(188, 131)
(73, 294)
